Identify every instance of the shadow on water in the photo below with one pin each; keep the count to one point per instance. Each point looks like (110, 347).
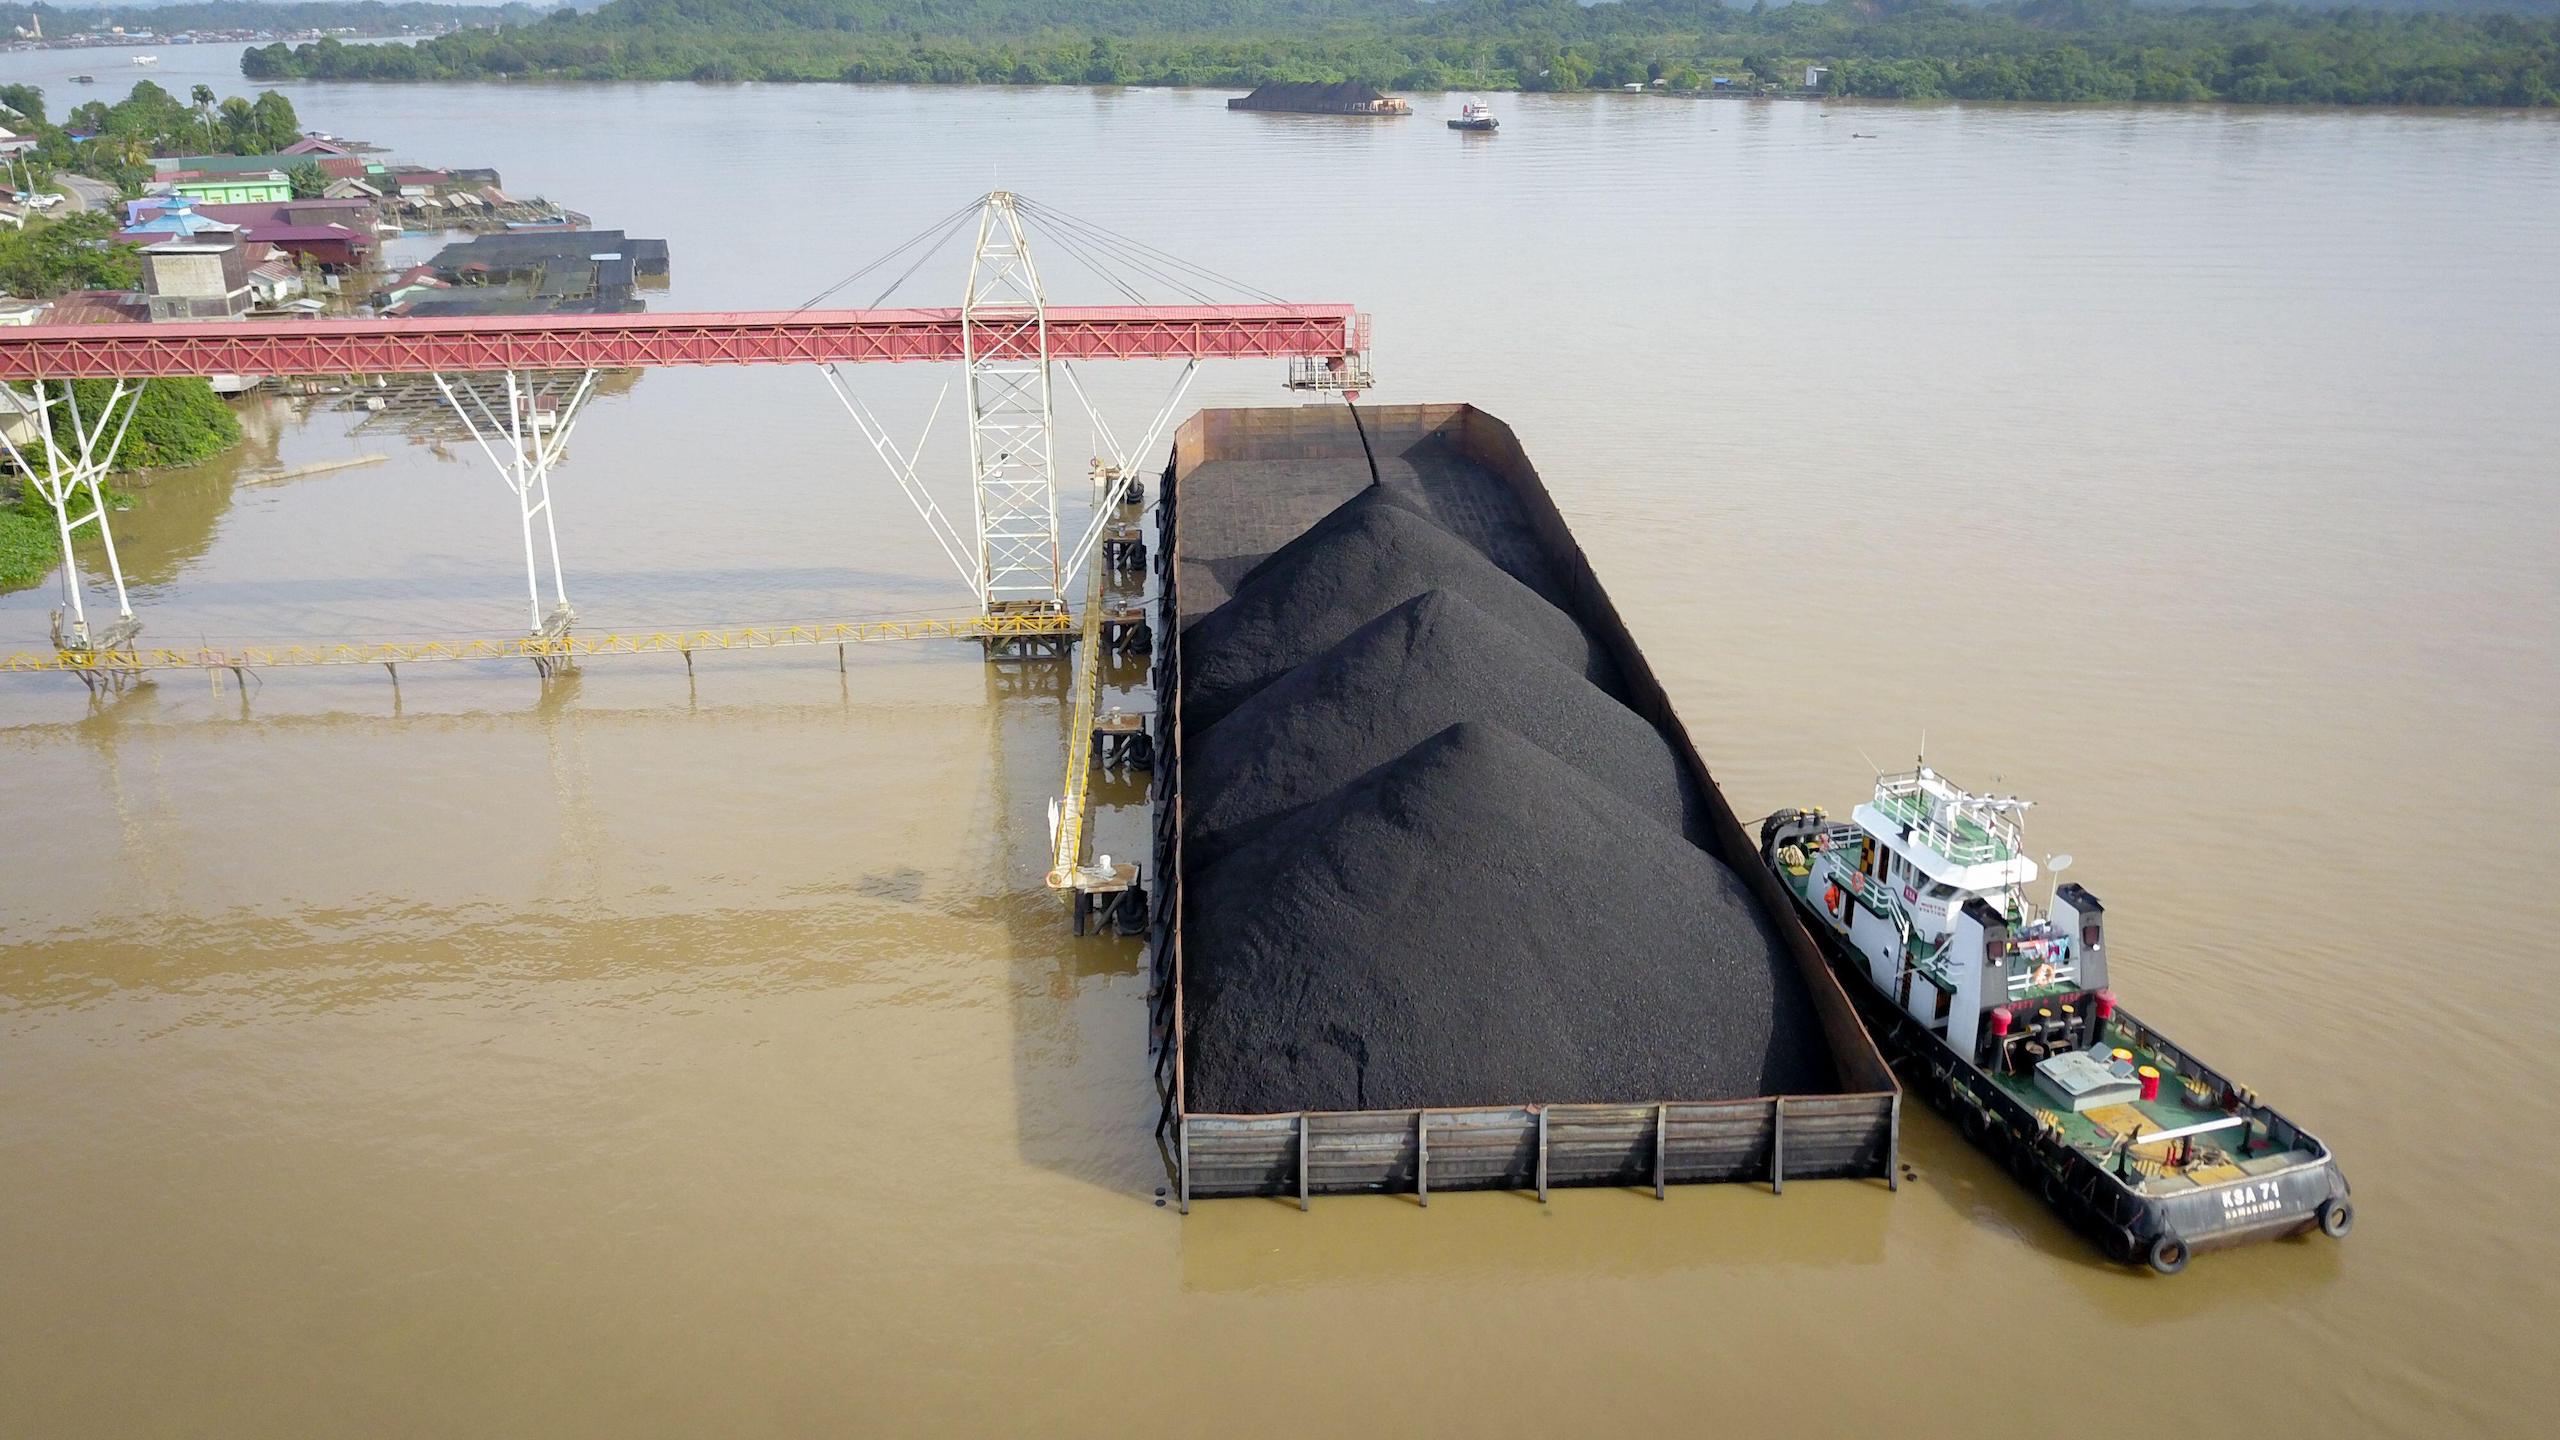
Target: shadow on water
(576, 869)
(1084, 1104)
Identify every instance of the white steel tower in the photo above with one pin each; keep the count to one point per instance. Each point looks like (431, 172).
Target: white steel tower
(1004, 332)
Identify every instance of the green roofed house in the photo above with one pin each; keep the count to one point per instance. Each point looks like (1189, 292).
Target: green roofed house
(271, 187)
(169, 165)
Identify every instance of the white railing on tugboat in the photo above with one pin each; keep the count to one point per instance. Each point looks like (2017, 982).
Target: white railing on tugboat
(1908, 799)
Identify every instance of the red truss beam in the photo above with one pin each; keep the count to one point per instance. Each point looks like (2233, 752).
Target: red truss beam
(613, 342)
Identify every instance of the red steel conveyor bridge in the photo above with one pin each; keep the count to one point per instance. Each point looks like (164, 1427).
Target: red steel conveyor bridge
(614, 342)
(518, 384)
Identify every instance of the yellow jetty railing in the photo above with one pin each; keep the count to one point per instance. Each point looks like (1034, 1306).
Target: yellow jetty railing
(1068, 834)
(541, 647)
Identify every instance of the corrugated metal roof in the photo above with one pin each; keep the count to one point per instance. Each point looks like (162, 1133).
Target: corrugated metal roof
(286, 234)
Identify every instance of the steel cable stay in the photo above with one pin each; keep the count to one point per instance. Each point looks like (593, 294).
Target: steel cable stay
(1094, 264)
(1094, 253)
(948, 224)
(1083, 242)
(1054, 216)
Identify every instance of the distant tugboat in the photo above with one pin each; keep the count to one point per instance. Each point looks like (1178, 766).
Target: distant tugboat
(1474, 115)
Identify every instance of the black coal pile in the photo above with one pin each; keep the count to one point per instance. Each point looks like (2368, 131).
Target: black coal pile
(1370, 555)
(1476, 923)
(1427, 664)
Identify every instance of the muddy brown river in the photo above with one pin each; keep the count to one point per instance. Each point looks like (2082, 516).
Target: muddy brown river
(650, 1054)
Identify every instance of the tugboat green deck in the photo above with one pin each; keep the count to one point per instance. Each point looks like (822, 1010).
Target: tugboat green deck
(1921, 901)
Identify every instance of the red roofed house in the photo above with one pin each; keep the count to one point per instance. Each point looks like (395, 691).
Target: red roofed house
(98, 307)
(331, 247)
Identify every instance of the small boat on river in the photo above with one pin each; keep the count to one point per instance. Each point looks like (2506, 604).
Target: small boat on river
(1474, 115)
(2001, 1015)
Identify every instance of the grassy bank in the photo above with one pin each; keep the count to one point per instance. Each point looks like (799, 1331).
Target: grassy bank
(177, 422)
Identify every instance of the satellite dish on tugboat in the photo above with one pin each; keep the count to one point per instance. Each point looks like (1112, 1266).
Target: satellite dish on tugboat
(2054, 865)
(2057, 863)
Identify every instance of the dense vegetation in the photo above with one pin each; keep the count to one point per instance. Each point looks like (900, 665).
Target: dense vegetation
(115, 142)
(178, 422)
(2007, 50)
(28, 545)
(76, 252)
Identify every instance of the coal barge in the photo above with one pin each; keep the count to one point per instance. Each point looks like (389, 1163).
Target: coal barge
(2005, 1020)
(1309, 98)
(1448, 899)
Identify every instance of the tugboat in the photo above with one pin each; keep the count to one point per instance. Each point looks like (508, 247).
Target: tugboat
(2003, 1018)
(1474, 115)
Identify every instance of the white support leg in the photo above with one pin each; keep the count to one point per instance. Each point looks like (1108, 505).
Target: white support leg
(69, 477)
(1124, 463)
(902, 467)
(1004, 329)
(524, 435)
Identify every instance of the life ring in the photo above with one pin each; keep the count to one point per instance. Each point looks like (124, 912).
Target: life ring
(2043, 975)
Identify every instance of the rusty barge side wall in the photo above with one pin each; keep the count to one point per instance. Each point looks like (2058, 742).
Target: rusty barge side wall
(1852, 1133)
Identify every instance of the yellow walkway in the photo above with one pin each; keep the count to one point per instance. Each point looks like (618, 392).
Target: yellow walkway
(534, 647)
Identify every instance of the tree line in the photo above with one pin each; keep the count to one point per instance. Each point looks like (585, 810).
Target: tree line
(115, 141)
(2050, 50)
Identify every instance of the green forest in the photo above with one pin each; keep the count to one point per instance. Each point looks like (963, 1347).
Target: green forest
(2046, 50)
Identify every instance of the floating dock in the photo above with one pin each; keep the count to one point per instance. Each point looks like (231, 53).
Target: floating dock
(1246, 483)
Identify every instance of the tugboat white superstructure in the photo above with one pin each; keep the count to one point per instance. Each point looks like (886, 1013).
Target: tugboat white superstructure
(2005, 1017)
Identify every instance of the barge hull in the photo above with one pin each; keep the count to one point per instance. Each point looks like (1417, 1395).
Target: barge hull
(1528, 1146)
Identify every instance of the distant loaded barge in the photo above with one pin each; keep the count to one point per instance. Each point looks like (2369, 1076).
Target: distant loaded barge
(1297, 98)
